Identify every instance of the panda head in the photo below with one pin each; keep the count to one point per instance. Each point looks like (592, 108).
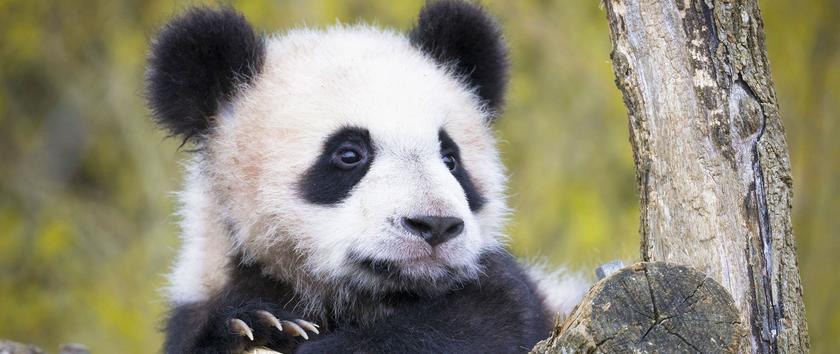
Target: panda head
(350, 157)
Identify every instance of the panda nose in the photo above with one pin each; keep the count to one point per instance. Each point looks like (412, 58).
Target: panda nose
(434, 229)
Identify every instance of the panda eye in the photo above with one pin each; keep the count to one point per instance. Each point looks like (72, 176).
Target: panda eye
(348, 157)
(450, 161)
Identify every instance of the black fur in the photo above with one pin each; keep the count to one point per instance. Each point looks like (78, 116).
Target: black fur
(459, 33)
(203, 327)
(498, 313)
(196, 63)
(326, 183)
(448, 146)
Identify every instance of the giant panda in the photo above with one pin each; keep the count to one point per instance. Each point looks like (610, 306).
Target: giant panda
(344, 191)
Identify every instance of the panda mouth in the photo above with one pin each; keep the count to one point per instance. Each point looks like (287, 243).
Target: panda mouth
(397, 276)
(380, 267)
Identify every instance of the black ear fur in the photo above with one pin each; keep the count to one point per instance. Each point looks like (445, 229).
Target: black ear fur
(465, 35)
(196, 62)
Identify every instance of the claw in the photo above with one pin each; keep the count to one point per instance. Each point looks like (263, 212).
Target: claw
(270, 319)
(241, 328)
(308, 326)
(263, 351)
(295, 330)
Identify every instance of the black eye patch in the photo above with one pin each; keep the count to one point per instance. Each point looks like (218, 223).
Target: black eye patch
(344, 160)
(449, 148)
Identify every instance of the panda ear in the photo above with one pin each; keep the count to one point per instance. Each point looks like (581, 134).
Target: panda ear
(197, 62)
(464, 35)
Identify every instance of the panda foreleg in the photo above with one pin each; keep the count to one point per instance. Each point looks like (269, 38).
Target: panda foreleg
(234, 326)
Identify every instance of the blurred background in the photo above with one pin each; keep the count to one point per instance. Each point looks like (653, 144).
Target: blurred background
(87, 230)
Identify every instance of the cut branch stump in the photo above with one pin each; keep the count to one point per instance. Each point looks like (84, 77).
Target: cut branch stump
(649, 306)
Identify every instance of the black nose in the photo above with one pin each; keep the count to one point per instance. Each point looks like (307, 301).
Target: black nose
(434, 229)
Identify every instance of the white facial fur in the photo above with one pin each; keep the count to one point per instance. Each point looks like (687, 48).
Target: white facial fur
(313, 84)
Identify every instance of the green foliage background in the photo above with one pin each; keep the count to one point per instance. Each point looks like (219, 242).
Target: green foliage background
(86, 223)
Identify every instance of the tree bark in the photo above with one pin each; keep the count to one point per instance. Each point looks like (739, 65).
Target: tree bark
(711, 157)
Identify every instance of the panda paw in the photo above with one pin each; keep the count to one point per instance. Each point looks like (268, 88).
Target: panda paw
(294, 327)
(260, 325)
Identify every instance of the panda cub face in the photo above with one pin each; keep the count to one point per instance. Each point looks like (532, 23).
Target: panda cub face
(365, 157)
(349, 158)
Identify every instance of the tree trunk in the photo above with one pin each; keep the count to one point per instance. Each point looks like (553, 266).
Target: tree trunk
(711, 157)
